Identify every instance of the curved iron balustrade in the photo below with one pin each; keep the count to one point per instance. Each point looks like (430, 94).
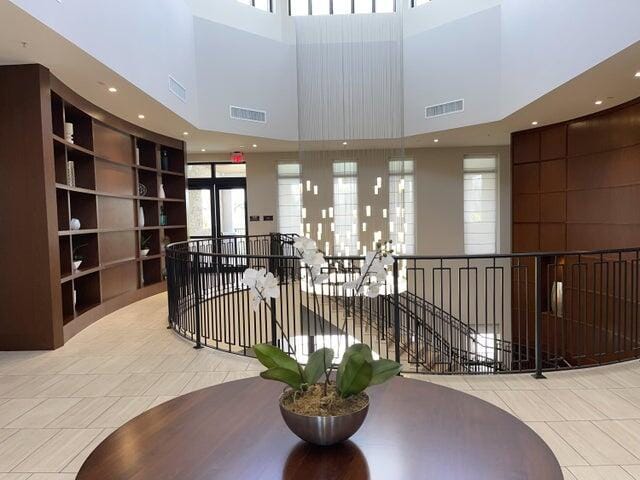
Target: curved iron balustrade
(437, 314)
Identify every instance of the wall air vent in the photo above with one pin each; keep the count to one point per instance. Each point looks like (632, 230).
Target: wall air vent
(247, 114)
(177, 89)
(448, 108)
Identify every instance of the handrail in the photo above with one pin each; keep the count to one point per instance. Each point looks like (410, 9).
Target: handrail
(540, 310)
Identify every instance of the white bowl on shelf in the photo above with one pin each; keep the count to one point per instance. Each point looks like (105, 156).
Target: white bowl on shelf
(76, 264)
(144, 252)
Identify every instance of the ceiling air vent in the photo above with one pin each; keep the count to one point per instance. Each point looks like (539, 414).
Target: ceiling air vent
(448, 108)
(247, 114)
(177, 89)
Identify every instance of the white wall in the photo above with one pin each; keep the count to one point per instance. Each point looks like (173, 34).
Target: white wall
(545, 43)
(276, 26)
(499, 55)
(439, 12)
(442, 65)
(144, 41)
(245, 70)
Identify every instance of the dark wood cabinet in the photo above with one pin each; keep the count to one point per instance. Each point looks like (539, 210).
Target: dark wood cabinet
(68, 199)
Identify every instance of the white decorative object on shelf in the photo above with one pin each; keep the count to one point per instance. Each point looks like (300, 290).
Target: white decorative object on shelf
(75, 297)
(161, 193)
(137, 156)
(74, 224)
(140, 217)
(556, 299)
(144, 252)
(68, 132)
(76, 264)
(71, 174)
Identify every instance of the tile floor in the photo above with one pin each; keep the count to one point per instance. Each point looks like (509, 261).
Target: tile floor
(56, 407)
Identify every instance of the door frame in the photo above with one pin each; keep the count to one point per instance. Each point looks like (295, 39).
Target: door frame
(214, 185)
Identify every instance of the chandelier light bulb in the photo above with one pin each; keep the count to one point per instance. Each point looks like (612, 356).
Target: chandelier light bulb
(368, 210)
(384, 213)
(308, 185)
(330, 212)
(324, 213)
(315, 189)
(376, 189)
(333, 227)
(304, 212)
(379, 182)
(364, 226)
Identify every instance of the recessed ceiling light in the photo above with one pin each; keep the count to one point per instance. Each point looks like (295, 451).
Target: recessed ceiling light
(113, 89)
(203, 150)
(598, 102)
(345, 143)
(436, 140)
(637, 75)
(534, 123)
(254, 145)
(185, 133)
(141, 117)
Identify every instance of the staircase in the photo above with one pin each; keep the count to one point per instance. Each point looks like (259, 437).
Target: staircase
(432, 340)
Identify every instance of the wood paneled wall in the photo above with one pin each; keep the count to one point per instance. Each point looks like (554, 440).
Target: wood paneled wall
(576, 185)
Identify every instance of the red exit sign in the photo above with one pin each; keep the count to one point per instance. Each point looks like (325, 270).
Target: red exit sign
(237, 157)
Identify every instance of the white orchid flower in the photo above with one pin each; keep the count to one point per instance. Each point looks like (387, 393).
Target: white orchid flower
(373, 290)
(314, 258)
(250, 276)
(269, 286)
(387, 259)
(304, 243)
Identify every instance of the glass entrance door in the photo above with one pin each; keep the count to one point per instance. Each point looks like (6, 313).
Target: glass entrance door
(232, 211)
(217, 208)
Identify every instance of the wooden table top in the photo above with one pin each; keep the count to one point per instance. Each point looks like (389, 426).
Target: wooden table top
(414, 430)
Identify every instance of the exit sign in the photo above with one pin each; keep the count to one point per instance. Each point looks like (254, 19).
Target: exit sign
(237, 157)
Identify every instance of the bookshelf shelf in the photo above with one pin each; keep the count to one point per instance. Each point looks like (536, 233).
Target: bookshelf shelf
(93, 177)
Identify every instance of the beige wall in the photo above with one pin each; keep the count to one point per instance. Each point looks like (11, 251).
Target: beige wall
(439, 193)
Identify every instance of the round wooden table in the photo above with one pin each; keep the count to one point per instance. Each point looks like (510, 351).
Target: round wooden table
(414, 430)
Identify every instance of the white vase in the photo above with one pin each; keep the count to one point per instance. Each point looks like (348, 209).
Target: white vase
(74, 224)
(68, 132)
(161, 193)
(75, 298)
(76, 264)
(144, 252)
(140, 217)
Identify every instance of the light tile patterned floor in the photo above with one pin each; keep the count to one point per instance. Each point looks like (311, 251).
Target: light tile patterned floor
(56, 407)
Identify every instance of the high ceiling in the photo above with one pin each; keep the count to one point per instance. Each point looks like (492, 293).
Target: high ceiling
(23, 39)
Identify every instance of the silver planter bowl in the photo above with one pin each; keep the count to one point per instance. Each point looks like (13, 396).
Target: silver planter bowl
(324, 431)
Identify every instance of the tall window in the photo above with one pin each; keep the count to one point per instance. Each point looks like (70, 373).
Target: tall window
(345, 208)
(266, 5)
(401, 205)
(289, 198)
(339, 7)
(480, 205)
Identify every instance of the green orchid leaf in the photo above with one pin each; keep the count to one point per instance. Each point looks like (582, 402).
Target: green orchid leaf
(318, 364)
(360, 348)
(383, 370)
(273, 357)
(355, 376)
(279, 374)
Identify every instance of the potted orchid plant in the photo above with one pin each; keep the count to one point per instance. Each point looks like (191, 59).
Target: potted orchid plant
(322, 406)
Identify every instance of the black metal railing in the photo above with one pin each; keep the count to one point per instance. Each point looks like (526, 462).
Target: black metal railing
(446, 314)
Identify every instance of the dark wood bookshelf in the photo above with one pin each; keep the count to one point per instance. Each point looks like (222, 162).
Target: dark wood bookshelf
(111, 157)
